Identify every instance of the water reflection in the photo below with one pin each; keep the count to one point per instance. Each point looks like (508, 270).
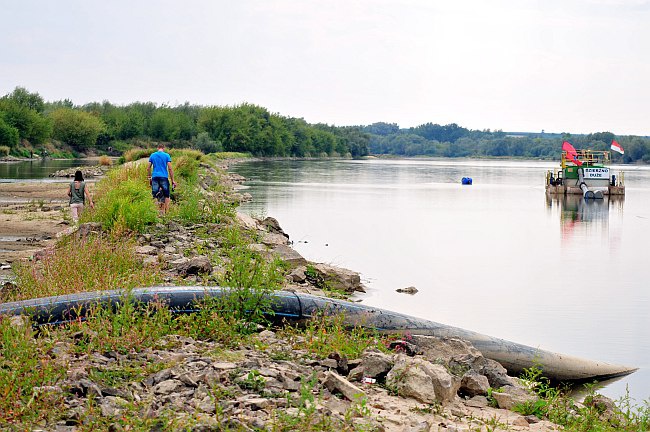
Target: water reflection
(578, 214)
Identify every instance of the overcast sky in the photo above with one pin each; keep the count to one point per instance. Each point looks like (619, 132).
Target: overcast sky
(560, 65)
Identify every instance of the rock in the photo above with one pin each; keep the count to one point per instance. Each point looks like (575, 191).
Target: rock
(273, 226)
(603, 405)
(420, 427)
(532, 419)
(112, 406)
(335, 382)
(408, 290)
(509, 396)
(445, 384)
(329, 363)
(405, 347)
(422, 380)
(409, 379)
(376, 364)
(146, 250)
(461, 356)
(257, 403)
(289, 255)
(272, 239)
(477, 402)
(337, 278)
(298, 275)
(167, 387)
(19, 321)
(474, 384)
(87, 388)
(197, 265)
(247, 221)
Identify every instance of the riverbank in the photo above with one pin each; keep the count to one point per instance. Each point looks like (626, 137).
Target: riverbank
(290, 380)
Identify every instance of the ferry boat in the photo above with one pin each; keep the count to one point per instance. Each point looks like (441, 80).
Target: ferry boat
(585, 172)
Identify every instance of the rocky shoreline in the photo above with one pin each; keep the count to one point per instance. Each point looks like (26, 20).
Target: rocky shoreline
(417, 384)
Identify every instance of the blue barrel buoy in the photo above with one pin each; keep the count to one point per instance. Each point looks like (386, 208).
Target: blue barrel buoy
(466, 181)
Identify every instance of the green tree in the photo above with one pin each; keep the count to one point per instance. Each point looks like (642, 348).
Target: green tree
(8, 135)
(76, 128)
(31, 125)
(24, 98)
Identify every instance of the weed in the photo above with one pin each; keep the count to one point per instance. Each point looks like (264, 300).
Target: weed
(76, 265)
(324, 335)
(253, 381)
(25, 377)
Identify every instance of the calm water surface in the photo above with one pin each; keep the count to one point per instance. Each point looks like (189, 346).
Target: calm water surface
(497, 257)
(38, 168)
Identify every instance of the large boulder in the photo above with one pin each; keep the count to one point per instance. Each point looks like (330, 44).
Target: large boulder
(273, 226)
(335, 278)
(422, 380)
(461, 356)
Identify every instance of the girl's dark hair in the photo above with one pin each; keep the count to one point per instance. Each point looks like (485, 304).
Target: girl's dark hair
(78, 176)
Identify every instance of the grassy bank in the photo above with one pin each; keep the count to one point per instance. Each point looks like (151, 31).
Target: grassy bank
(37, 365)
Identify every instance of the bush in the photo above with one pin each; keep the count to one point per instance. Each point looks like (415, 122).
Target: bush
(4, 151)
(105, 161)
(76, 128)
(124, 201)
(204, 143)
(137, 153)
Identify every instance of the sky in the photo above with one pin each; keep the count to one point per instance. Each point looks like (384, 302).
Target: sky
(575, 66)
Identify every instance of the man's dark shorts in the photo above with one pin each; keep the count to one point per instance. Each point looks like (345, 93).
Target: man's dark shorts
(160, 188)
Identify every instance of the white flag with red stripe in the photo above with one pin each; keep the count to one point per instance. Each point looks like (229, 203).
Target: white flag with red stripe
(617, 147)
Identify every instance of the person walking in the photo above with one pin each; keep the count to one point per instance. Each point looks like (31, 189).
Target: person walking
(159, 177)
(78, 193)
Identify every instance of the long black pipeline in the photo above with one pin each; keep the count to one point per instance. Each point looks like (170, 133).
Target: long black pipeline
(296, 307)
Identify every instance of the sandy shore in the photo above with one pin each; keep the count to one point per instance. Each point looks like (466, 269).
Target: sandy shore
(31, 214)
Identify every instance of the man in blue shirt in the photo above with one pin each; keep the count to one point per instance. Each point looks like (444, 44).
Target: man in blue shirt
(159, 178)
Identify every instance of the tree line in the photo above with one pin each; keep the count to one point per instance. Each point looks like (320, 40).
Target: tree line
(27, 121)
(451, 140)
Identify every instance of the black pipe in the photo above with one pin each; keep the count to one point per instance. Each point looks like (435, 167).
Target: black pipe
(299, 307)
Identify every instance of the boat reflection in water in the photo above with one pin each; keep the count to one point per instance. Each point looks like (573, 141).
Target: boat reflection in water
(580, 216)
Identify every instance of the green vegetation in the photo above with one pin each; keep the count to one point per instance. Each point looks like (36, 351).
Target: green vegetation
(28, 122)
(593, 414)
(451, 140)
(33, 368)
(75, 265)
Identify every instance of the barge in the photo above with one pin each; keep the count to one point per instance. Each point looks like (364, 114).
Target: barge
(585, 172)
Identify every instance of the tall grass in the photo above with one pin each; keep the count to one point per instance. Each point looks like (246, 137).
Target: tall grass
(24, 375)
(76, 265)
(124, 201)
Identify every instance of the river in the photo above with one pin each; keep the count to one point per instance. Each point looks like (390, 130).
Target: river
(497, 257)
(38, 169)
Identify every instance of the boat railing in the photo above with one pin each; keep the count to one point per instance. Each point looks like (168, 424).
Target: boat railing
(587, 157)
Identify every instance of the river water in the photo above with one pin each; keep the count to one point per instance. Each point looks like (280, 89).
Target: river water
(497, 257)
(38, 169)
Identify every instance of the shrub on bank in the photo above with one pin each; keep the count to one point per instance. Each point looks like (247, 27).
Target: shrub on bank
(123, 201)
(76, 265)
